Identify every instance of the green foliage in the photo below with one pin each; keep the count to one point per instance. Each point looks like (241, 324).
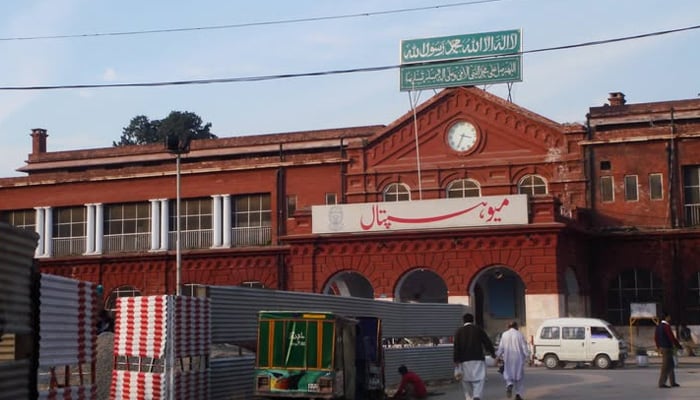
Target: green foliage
(141, 130)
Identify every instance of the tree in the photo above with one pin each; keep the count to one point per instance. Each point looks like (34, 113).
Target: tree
(143, 131)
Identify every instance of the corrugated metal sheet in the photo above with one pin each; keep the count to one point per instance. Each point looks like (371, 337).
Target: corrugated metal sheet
(14, 380)
(430, 363)
(234, 312)
(231, 378)
(67, 321)
(16, 309)
(16, 264)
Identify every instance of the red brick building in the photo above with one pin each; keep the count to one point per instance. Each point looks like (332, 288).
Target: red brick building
(471, 200)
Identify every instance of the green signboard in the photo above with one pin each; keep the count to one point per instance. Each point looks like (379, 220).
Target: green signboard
(461, 46)
(461, 73)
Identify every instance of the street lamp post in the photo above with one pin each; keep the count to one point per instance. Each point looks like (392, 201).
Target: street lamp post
(178, 144)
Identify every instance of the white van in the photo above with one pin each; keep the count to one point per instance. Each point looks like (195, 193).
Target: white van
(579, 340)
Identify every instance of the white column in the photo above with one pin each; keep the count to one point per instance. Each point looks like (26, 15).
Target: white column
(155, 224)
(99, 227)
(90, 245)
(39, 228)
(165, 223)
(48, 231)
(226, 219)
(216, 220)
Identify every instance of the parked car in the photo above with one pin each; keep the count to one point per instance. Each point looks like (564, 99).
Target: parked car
(580, 340)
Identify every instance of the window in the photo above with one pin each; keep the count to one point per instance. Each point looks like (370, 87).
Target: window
(69, 231)
(463, 188)
(573, 333)
(291, 205)
(252, 220)
(195, 223)
(397, 192)
(122, 291)
(656, 187)
(605, 165)
(252, 284)
(194, 290)
(692, 300)
(607, 194)
(532, 185)
(598, 332)
(550, 332)
(24, 219)
(632, 286)
(631, 193)
(331, 198)
(127, 227)
(691, 192)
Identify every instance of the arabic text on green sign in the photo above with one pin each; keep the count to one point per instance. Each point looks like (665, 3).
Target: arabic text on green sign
(462, 73)
(461, 46)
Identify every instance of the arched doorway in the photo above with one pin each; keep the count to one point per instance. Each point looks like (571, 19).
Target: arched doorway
(350, 284)
(499, 297)
(421, 286)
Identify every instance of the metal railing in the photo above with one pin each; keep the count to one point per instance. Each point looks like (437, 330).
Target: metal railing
(68, 246)
(692, 215)
(199, 239)
(124, 243)
(251, 236)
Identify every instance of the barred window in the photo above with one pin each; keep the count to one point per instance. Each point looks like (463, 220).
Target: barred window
(607, 192)
(632, 286)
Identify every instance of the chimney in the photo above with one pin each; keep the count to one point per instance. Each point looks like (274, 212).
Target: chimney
(617, 99)
(38, 141)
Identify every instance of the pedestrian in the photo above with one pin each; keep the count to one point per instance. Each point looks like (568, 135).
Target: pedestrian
(513, 350)
(667, 345)
(468, 353)
(105, 322)
(411, 386)
(686, 337)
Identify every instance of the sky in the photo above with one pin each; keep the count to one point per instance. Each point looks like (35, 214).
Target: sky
(560, 85)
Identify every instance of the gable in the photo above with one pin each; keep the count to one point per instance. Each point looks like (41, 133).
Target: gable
(506, 133)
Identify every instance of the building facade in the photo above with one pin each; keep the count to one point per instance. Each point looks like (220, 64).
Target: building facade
(466, 199)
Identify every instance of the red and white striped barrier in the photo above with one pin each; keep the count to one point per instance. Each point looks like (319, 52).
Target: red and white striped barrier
(161, 348)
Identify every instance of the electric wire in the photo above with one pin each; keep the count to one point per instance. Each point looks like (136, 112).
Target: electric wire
(249, 24)
(336, 71)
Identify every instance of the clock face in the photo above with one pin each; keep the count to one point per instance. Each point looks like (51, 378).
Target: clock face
(462, 136)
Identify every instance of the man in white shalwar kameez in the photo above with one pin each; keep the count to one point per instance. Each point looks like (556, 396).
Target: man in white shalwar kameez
(514, 352)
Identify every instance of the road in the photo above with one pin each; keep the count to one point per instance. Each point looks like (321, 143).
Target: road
(631, 382)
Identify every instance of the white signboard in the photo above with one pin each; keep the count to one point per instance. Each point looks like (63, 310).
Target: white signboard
(643, 310)
(421, 214)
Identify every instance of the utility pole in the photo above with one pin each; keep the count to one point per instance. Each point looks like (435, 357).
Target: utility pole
(178, 144)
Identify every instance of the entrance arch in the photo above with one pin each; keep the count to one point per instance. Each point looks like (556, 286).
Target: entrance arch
(349, 284)
(499, 297)
(421, 286)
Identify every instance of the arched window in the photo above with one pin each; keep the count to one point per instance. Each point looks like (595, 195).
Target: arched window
(463, 188)
(632, 286)
(397, 192)
(692, 301)
(121, 291)
(533, 185)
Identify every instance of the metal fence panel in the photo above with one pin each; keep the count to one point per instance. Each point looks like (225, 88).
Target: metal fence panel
(14, 380)
(231, 378)
(16, 264)
(235, 310)
(431, 363)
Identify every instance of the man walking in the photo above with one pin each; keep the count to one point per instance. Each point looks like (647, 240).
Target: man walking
(666, 344)
(468, 354)
(514, 351)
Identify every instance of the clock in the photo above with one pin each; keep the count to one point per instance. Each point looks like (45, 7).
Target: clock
(462, 136)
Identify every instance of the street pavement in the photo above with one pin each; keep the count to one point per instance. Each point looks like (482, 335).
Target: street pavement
(630, 382)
